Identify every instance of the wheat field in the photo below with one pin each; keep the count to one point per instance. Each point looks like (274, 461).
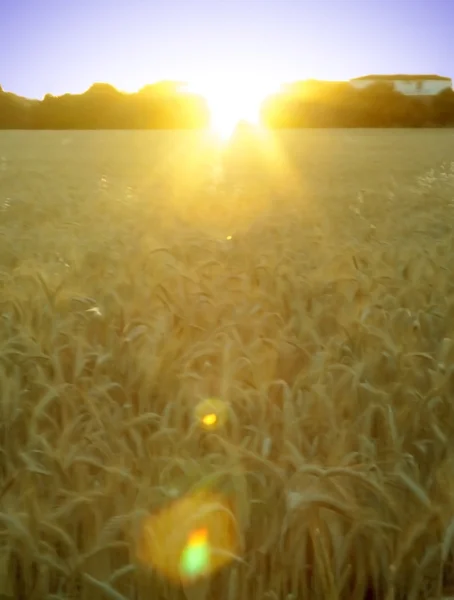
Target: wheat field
(305, 285)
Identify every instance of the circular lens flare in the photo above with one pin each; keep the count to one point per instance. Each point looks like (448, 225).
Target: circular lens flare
(209, 420)
(211, 413)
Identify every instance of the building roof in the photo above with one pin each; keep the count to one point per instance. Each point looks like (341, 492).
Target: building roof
(401, 78)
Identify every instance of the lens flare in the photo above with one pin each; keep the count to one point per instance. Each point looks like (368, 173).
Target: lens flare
(211, 413)
(191, 538)
(195, 558)
(209, 420)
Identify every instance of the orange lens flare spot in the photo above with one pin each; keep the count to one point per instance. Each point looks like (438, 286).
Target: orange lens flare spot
(200, 536)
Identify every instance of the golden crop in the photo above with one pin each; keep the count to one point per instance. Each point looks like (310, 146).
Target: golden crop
(303, 294)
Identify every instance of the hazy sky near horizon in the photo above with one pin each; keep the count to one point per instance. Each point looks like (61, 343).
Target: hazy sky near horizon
(58, 46)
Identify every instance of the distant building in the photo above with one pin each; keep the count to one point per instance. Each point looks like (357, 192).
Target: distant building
(410, 85)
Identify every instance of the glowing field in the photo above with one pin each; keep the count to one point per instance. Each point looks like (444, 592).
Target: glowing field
(227, 373)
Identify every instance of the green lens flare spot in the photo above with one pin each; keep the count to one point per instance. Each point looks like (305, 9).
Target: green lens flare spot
(195, 558)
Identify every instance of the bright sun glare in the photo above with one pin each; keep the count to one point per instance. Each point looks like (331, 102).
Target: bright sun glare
(229, 103)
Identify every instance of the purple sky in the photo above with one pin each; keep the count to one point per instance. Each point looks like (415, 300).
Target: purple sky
(60, 46)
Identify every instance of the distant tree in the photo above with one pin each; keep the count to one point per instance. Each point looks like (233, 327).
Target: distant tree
(163, 88)
(13, 112)
(443, 108)
(103, 88)
(54, 112)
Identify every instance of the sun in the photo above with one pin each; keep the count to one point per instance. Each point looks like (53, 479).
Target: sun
(231, 102)
(228, 109)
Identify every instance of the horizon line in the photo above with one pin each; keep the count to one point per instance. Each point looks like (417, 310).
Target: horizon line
(180, 83)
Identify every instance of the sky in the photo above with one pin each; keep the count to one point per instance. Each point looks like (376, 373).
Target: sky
(59, 46)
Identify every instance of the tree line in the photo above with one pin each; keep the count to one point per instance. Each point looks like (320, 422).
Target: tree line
(314, 104)
(166, 105)
(163, 105)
